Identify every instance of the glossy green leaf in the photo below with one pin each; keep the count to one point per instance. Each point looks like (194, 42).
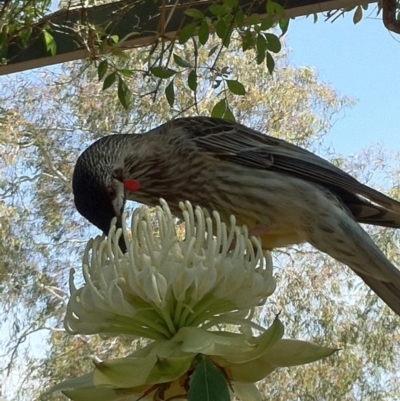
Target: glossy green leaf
(284, 25)
(110, 79)
(162, 72)
(218, 110)
(181, 62)
(124, 94)
(50, 43)
(273, 43)
(236, 87)
(203, 33)
(186, 33)
(261, 48)
(207, 383)
(170, 93)
(229, 23)
(102, 69)
(221, 29)
(192, 80)
(270, 63)
(194, 13)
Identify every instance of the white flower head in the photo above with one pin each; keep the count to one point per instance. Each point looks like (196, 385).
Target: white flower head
(162, 282)
(173, 291)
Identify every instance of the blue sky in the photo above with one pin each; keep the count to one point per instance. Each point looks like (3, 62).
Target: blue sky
(361, 61)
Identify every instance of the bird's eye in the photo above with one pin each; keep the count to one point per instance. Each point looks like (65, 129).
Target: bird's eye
(112, 193)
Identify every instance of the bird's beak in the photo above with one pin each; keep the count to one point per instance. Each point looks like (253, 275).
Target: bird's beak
(121, 241)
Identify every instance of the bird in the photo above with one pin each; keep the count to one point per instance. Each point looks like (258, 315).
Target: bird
(283, 193)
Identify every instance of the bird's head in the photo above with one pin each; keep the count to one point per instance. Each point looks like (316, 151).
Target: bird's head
(98, 192)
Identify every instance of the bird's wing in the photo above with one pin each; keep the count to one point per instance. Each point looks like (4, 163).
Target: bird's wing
(242, 145)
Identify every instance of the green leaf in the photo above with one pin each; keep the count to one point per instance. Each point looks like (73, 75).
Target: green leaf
(102, 69)
(194, 13)
(221, 29)
(120, 54)
(3, 44)
(220, 10)
(270, 63)
(186, 33)
(25, 35)
(114, 38)
(239, 18)
(357, 17)
(273, 43)
(231, 3)
(284, 25)
(272, 8)
(192, 80)
(203, 33)
(213, 50)
(253, 19)
(236, 87)
(218, 110)
(124, 94)
(162, 72)
(181, 62)
(170, 93)
(228, 115)
(267, 23)
(207, 383)
(227, 40)
(126, 73)
(51, 46)
(110, 79)
(248, 40)
(261, 48)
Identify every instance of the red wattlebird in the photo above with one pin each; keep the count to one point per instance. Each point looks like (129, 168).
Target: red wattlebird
(284, 194)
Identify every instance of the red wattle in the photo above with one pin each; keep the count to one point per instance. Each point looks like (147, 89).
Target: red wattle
(131, 185)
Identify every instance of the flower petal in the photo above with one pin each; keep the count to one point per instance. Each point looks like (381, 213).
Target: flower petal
(246, 391)
(162, 362)
(295, 352)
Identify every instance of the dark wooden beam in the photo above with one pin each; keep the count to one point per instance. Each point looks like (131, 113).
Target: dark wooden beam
(148, 20)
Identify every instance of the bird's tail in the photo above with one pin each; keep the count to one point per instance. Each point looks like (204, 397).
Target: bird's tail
(351, 245)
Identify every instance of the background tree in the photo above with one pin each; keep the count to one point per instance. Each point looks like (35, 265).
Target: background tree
(59, 113)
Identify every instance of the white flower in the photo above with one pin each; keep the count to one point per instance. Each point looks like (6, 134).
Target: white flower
(164, 283)
(173, 291)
